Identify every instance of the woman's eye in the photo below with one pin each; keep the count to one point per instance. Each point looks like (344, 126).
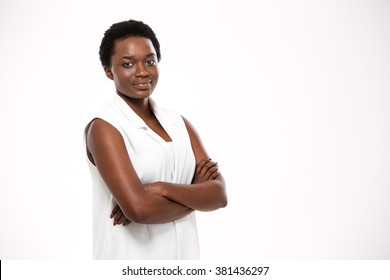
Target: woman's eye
(127, 64)
(150, 62)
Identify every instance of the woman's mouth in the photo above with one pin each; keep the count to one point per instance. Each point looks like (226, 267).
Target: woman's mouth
(143, 85)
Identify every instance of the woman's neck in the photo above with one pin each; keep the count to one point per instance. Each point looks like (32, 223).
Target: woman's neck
(140, 106)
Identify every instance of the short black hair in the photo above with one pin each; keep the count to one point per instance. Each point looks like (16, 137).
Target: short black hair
(122, 30)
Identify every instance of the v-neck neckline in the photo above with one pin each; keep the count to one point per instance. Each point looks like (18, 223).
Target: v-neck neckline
(138, 122)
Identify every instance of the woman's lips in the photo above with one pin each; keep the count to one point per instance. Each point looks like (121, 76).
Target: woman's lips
(143, 85)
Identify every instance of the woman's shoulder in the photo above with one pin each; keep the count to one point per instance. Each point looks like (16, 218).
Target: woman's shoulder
(107, 117)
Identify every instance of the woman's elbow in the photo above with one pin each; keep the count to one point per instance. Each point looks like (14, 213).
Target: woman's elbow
(139, 218)
(223, 202)
(143, 215)
(220, 199)
(215, 204)
(135, 214)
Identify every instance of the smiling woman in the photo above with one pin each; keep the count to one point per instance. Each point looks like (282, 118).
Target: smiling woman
(134, 67)
(149, 168)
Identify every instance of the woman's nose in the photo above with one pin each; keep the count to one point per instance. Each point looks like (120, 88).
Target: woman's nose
(140, 70)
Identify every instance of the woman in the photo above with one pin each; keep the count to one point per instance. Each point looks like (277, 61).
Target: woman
(149, 168)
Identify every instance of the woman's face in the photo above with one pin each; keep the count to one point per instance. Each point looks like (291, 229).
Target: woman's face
(134, 67)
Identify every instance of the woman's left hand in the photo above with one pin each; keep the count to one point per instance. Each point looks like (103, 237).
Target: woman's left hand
(119, 217)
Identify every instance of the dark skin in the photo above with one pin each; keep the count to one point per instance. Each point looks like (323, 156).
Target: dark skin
(134, 70)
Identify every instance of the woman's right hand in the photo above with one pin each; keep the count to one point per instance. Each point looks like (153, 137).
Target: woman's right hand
(205, 170)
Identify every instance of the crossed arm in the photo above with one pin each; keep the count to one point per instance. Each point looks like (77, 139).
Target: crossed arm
(158, 202)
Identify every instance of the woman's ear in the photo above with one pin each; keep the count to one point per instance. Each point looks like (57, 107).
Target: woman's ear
(108, 73)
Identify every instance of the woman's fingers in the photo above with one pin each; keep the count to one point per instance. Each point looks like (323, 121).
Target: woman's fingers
(115, 211)
(126, 222)
(213, 172)
(118, 217)
(208, 168)
(200, 165)
(122, 219)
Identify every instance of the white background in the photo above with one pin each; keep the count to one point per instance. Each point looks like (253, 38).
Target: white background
(290, 97)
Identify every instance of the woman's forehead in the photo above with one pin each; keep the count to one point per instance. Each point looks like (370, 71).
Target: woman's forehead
(134, 46)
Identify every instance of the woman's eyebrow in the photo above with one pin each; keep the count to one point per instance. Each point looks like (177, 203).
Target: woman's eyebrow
(133, 57)
(127, 57)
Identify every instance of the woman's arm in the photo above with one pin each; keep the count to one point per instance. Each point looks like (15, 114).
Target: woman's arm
(203, 195)
(107, 150)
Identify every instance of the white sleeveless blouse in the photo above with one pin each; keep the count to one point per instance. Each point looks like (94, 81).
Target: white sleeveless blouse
(154, 160)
